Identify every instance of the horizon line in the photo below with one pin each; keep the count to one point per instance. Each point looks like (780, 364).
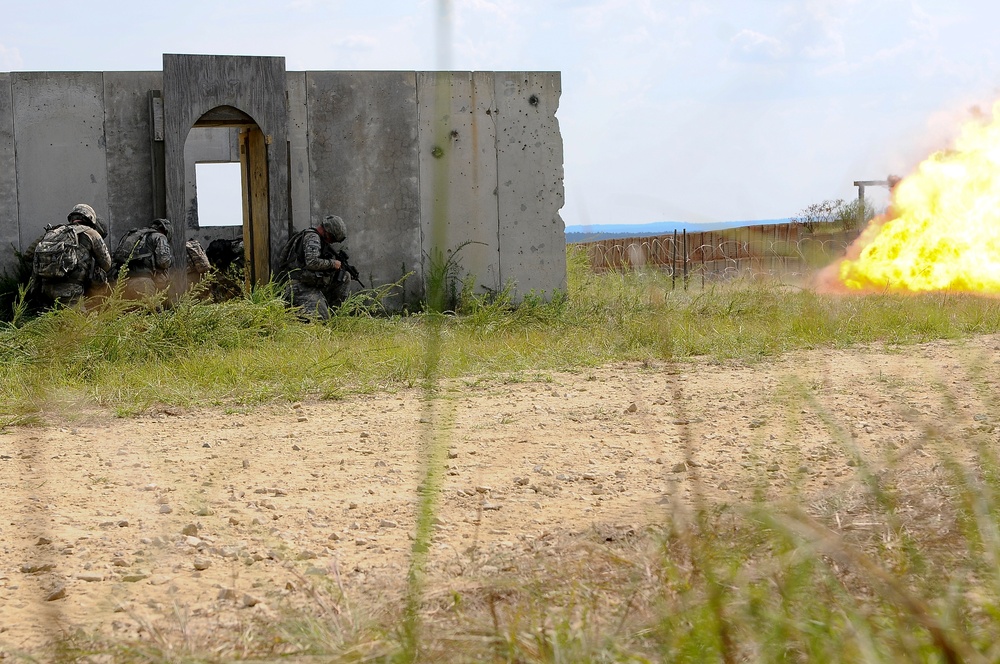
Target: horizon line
(596, 228)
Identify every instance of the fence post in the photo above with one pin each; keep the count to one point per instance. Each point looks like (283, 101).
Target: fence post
(673, 263)
(684, 247)
(704, 243)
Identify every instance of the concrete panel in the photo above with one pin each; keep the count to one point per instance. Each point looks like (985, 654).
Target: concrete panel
(458, 174)
(60, 145)
(129, 151)
(363, 167)
(298, 151)
(9, 236)
(213, 145)
(530, 166)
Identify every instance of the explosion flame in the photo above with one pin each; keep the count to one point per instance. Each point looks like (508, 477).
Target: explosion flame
(942, 229)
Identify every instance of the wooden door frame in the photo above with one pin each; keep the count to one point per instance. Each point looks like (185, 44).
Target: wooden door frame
(256, 204)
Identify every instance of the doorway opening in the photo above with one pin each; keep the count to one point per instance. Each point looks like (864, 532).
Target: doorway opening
(220, 194)
(226, 152)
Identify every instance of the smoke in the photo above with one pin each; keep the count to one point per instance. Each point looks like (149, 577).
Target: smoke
(827, 280)
(940, 131)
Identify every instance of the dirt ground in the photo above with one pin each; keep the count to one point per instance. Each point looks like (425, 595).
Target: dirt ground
(206, 517)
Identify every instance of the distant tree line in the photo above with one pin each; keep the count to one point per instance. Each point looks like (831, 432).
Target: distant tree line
(835, 214)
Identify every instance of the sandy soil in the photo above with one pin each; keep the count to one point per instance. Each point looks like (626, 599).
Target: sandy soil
(207, 517)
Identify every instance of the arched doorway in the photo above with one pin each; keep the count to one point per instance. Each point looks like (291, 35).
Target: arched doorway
(247, 93)
(255, 187)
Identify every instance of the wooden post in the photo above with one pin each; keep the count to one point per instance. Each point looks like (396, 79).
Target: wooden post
(703, 245)
(774, 240)
(684, 237)
(673, 263)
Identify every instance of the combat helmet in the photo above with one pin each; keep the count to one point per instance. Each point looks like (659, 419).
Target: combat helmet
(85, 213)
(335, 227)
(101, 228)
(165, 227)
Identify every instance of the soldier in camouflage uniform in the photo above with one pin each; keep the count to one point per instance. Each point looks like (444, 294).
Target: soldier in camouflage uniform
(197, 261)
(92, 260)
(146, 251)
(315, 280)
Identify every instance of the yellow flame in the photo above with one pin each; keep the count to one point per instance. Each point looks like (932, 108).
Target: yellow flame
(943, 230)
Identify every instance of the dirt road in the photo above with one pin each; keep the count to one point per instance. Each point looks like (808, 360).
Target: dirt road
(203, 518)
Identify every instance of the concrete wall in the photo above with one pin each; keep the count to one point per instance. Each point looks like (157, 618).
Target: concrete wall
(9, 228)
(129, 149)
(363, 167)
(60, 149)
(467, 164)
(458, 175)
(530, 166)
(298, 151)
(491, 178)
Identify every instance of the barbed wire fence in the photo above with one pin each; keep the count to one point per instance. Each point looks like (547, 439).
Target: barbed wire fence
(752, 252)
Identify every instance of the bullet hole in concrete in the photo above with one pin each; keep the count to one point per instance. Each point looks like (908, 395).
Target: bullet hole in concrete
(437, 152)
(533, 100)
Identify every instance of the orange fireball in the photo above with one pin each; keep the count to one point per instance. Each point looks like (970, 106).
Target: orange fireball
(943, 231)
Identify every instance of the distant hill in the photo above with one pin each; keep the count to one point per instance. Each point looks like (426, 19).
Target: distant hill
(616, 231)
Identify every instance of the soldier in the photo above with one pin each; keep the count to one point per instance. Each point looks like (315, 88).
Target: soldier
(197, 261)
(146, 255)
(224, 254)
(315, 278)
(69, 258)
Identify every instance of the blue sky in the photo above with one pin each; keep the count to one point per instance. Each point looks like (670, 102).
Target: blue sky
(687, 110)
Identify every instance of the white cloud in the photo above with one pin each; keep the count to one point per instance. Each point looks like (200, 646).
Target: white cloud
(754, 44)
(608, 15)
(506, 11)
(820, 28)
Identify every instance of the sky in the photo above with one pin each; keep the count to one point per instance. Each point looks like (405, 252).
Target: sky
(671, 110)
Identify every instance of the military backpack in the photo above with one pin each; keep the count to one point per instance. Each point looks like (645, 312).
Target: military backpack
(291, 263)
(133, 250)
(58, 252)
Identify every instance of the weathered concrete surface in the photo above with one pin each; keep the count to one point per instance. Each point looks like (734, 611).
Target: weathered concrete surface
(363, 167)
(298, 151)
(193, 85)
(9, 235)
(129, 151)
(358, 144)
(530, 164)
(458, 176)
(60, 145)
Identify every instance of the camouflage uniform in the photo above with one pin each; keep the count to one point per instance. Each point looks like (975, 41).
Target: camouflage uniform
(93, 259)
(197, 261)
(315, 280)
(151, 266)
(163, 255)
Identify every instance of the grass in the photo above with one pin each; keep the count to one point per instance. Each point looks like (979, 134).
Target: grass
(761, 582)
(253, 350)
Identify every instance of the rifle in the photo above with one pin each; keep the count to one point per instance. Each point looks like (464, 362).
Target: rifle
(341, 256)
